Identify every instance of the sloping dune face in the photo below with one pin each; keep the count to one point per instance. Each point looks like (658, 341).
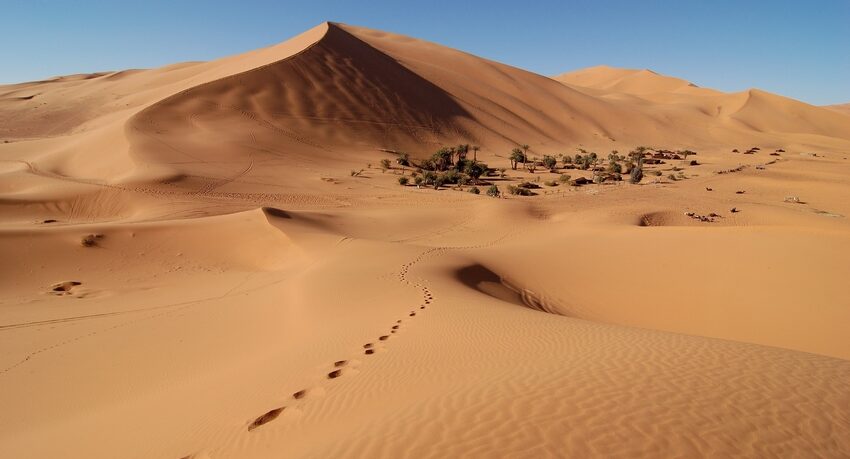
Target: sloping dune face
(840, 108)
(629, 81)
(745, 117)
(339, 92)
(205, 261)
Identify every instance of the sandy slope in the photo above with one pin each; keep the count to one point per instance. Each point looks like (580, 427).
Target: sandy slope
(840, 108)
(245, 296)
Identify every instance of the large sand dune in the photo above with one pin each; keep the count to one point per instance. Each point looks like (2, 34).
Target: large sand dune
(205, 260)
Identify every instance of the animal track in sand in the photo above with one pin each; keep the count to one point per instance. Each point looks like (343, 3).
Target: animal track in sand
(368, 348)
(266, 418)
(64, 288)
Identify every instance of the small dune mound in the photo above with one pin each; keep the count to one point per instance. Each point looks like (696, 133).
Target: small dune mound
(485, 281)
(489, 283)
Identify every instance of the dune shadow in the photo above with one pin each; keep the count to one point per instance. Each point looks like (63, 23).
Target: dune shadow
(484, 280)
(275, 212)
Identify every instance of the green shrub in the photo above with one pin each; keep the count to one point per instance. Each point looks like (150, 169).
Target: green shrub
(518, 190)
(418, 180)
(451, 176)
(403, 181)
(474, 190)
(403, 159)
(637, 174)
(550, 162)
(493, 191)
(385, 164)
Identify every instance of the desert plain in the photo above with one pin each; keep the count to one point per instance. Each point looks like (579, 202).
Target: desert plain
(268, 255)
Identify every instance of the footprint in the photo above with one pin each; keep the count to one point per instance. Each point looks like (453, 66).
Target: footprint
(64, 288)
(395, 327)
(300, 394)
(412, 314)
(335, 374)
(369, 351)
(384, 337)
(340, 363)
(367, 345)
(266, 418)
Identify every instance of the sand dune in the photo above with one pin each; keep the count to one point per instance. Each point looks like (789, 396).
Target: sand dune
(205, 260)
(840, 108)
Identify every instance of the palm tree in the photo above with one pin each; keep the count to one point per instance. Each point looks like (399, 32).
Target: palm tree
(475, 149)
(525, 150)
(517, 156)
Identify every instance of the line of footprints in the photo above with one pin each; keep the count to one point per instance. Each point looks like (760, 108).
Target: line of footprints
(368, 348)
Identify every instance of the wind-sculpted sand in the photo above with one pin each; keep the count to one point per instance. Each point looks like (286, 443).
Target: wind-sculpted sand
(207, 260)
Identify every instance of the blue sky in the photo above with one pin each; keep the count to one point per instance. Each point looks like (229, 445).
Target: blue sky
(800, 49)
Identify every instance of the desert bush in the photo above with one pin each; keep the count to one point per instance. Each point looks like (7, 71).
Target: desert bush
(636, 175)
(451, 176)
(657, 173)
(355, 173)
(403, 181)
(385, 164)
(518, 190)
(564, 178)
(429, 177)
(493, 191)
(502, 172)
(90, 240)
(475, 170)
(550, 162)
(418, 180)
(615, 167)
(474, 190)
(672, 177)
(550, 183)
(403, 159)
(439, 181)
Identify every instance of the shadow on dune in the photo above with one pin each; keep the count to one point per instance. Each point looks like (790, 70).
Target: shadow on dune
(491, 284)
(275, 212)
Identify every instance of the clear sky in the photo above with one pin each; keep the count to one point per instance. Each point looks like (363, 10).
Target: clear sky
(799, 48)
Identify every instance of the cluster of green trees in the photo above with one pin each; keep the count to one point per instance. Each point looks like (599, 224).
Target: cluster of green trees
(448, 166)
(452, 166)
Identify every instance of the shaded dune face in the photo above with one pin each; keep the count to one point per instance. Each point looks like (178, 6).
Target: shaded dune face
(339, 92)
(484, 280)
